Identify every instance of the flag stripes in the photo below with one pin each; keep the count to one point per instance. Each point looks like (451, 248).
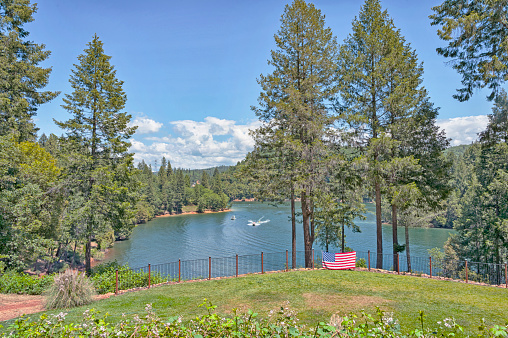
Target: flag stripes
(339, 261)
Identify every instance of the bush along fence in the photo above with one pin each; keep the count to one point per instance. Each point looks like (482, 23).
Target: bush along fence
(111, 277)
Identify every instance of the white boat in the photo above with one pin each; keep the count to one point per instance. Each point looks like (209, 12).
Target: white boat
(233, 217)
(258, 222)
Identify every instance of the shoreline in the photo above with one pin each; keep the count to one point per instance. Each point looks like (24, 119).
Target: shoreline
(193, 213)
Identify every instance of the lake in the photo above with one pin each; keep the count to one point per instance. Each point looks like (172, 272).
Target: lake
(189, 237)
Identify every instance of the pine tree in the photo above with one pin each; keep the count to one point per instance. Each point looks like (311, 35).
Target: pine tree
(100, 131)
(22, 77)
(293, 106)
(379, 84)
(216, 182)
(204, 180)
(497, 129)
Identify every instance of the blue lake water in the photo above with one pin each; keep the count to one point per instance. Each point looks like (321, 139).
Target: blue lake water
(199, 236)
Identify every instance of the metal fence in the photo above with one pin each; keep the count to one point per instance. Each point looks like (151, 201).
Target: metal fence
(233, 266)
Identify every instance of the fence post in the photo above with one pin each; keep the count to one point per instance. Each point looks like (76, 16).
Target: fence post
(149, 275)
(466, 272)
(430, 266)
(236, 265)
(209, 268)
(262, 268)
(312, 259)
(179, 270)
(398, 264)
(506, 274)
(287, 261)
(116, 282)
(368, 254)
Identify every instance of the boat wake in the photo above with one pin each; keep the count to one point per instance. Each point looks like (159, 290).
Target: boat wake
(258, 222)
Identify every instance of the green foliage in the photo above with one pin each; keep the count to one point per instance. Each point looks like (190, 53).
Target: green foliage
(100, 172)
(28, 176)
(282, 322)
(291, 157)
(391, 121)
(22, 77)
(497, 128)
(69, 289)
(21, 283)
(477, 38)
(481, 216)
(361, 263)
(104, 278)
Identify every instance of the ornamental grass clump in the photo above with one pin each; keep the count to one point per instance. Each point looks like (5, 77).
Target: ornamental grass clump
(70, 289)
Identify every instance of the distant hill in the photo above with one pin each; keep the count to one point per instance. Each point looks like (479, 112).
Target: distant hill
(195, 174)
(457, 150)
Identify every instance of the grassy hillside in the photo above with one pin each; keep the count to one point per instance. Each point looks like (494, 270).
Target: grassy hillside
(318, 294)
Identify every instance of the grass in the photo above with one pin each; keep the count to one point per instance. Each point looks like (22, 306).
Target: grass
(316, 295)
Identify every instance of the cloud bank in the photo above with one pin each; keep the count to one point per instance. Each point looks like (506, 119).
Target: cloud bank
(196, 144)
(214, 141)
(145, 125)
(463, 130)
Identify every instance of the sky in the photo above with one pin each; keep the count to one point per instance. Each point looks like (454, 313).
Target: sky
(190, 68)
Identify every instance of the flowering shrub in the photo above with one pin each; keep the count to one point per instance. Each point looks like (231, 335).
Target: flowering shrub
(279, 323)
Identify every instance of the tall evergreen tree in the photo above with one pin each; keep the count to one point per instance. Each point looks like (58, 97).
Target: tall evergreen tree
(100, 131)
(380, 89)
(216, 182)
(293, 103)
(22, 77)
(497, 128)
(205, 180)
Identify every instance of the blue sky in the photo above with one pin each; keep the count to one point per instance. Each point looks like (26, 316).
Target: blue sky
(190, 67)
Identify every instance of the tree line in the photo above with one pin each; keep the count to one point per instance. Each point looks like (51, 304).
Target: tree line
(63, 197)
(340, 121)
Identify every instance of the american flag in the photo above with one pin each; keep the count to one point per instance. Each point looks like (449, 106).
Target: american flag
(339, 261)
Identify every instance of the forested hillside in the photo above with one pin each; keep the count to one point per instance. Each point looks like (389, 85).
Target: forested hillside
(340, 122)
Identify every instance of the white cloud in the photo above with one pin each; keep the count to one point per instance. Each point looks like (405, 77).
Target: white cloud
(145, 125)
(196, 144)
(463, 130)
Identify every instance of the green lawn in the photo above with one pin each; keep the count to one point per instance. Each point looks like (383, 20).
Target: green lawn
(318, 294)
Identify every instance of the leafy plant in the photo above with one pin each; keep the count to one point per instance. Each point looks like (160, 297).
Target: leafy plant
(104, 277)
(361, 263)
(21, 283)
(69, 289)
(279, 323)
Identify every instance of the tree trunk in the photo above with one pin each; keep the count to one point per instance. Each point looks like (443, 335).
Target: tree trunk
(379, 227)
(74, 254)
(394, 234)
(293, 227)
(88, 251)
(306, 213)
(408, 254)
(343, 242)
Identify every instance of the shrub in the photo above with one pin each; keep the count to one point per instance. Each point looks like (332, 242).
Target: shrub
(104, 277)
(70, 289)
(22, 283)
(361, 263)
(280, 323)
